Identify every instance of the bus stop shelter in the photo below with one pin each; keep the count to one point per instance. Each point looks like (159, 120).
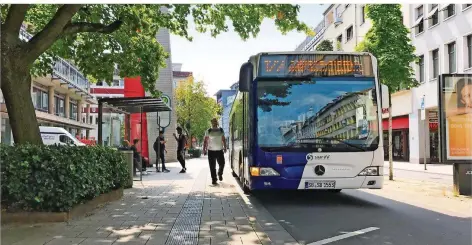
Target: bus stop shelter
(129, 106)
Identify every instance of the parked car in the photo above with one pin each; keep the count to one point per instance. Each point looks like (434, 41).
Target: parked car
(57, 135)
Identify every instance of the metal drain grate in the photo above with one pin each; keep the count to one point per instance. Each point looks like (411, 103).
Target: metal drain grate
(187, 225)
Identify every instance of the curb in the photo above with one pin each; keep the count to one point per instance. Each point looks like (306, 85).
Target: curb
(419, 171)
(267, 228)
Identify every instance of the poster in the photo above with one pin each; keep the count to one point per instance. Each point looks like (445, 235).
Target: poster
(457, 111)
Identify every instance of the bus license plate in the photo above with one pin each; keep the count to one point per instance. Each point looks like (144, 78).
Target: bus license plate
(321, 184)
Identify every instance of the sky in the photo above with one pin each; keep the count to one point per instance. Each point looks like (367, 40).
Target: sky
(216, 61)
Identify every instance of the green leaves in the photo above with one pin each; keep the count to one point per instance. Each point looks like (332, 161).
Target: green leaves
(194, 107)
(325, 45)
(133, 46)
(388, 41)
(55, 178)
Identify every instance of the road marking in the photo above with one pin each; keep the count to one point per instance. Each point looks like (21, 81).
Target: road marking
(344, 236)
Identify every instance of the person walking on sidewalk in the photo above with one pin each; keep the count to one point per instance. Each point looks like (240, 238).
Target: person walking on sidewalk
(181, 149)
(215, 146)
(162, 149)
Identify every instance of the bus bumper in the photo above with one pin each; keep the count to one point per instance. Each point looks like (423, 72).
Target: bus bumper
(358, 182)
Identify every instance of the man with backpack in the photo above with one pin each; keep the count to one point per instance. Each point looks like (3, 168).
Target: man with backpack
(160, 147)
(215, 146)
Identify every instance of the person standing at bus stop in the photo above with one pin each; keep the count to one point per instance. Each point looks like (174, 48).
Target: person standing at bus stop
(181, 149)
(215, 146)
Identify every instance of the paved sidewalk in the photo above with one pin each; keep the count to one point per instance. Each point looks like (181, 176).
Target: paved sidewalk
(165, 208)
(445, 169)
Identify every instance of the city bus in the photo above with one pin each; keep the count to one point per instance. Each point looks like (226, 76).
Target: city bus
(308, 120)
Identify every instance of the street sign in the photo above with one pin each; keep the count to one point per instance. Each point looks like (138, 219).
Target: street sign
(164, 120)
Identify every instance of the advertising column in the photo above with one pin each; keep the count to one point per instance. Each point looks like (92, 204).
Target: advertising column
(455, 97)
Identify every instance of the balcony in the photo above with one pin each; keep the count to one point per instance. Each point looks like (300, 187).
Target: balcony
(66, 72)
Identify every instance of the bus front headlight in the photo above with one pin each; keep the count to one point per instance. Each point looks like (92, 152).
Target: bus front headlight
(264, 171)
(370, 171)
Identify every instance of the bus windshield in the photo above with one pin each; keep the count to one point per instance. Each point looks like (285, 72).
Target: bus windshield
(328, 113)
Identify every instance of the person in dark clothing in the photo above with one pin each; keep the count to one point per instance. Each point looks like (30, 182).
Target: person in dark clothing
(181, 149)
(137, 156)
(162, 149)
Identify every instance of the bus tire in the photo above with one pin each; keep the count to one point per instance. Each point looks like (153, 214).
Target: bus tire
(336, 190)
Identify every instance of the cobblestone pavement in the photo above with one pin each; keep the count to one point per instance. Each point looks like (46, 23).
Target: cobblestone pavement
(164, 209)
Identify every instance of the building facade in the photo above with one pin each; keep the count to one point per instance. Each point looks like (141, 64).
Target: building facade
(58, 99)
(178, 75)
(225, 99)
(442, 35)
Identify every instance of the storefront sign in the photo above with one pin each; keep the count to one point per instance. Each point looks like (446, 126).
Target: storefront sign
(433, 116)
(456, 117)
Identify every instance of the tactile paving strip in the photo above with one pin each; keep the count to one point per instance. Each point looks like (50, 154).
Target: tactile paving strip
(187, 225)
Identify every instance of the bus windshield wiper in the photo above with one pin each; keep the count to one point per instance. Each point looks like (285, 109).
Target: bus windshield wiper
(338, 140)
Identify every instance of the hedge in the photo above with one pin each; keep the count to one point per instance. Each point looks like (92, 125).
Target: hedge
(56, 178)
(195, 152)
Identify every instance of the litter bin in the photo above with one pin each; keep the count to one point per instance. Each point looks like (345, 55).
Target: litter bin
(128, 155)
(463, 178)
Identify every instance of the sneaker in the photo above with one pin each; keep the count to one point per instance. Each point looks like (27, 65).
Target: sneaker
(214, 182)
(166, 170)
(182, 171)
(221, 177)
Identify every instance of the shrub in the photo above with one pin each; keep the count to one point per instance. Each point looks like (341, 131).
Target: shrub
(195, 152)
(56, 178)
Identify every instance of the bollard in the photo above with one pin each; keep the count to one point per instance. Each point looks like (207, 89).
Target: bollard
(128, 156)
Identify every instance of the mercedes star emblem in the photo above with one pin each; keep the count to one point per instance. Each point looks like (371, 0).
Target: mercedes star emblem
(319, 170)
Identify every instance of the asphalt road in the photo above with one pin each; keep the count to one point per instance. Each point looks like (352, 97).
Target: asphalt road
(421, 175)
(312, 217)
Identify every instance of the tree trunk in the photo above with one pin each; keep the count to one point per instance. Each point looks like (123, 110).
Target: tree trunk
(390, 150)
(16, 88)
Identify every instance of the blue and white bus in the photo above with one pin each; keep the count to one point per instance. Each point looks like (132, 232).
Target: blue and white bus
(308, 120)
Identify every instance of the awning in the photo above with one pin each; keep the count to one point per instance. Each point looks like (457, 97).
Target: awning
(443, 6)
(432, 12)
(417, 22)
(397, 123)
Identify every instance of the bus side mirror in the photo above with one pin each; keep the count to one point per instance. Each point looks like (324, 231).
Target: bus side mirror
(245, 76)
(385, 97)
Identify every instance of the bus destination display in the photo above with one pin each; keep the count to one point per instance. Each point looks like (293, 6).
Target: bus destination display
(315, 65)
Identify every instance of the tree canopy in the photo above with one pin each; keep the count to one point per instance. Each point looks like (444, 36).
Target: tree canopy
(194, 108)
(389, 42)
(325, 45)
(96, 37)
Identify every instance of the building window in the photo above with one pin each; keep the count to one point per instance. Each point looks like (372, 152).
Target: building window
(363, 14)
(100, 83)
(419, 23)
(59, 104)
(433, 15)
(72, 111)
(349, 33)
(469, 50)
(435, 58)
(340, 38)
(90, 120)
(116, 82)
(421, 68)
(40, 99)
(451, 52)
(466, 6)
(450, 10)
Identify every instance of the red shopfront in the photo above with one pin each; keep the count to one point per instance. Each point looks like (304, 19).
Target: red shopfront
(400, 138)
